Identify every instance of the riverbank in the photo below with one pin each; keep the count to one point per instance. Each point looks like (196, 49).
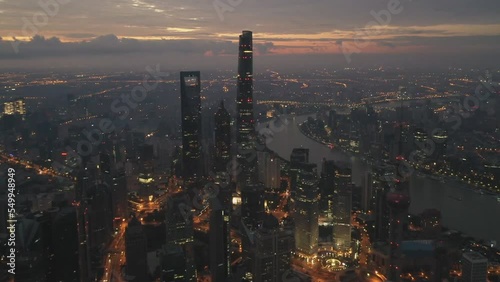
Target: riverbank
(424, 173)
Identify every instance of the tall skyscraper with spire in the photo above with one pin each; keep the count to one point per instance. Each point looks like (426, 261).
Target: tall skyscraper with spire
(191, 125)
(246, 155)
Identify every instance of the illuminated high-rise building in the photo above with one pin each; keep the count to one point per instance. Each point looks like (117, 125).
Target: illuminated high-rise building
(15, 107)
(306, 212)
(327, 188)
(272, 251)
(191, 125)
(252, 205)
(381, 176)
(269, 170)
(146, 160)
(179, 241)
(222, 139)
(246, 154)
(342, 205)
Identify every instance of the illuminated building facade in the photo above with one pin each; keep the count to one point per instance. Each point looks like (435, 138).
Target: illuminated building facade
(119, 193)
(398, 205)
(269, 170)
(298, 157)
(14, 107)
(306, 212)
(220, 244)
(191, 125)
(272, 252)
(440, 139)
(222, 139)
(179, 241)
(342, 206)
(95, 220)
(246, 155)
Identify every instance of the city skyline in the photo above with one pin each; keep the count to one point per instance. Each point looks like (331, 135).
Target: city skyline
(249, 141)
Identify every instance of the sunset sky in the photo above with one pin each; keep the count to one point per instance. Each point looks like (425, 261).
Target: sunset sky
(207, 28)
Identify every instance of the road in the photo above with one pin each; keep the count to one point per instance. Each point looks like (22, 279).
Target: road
(30, 166)
(115, 257)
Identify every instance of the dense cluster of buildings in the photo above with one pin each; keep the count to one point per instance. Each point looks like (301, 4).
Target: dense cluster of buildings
(237, 213)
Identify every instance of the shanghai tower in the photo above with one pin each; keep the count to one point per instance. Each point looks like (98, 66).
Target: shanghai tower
(246, 155)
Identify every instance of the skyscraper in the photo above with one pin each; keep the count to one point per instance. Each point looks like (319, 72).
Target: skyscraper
(65, 245)
(220, 244)
(95, 220)
(398, 205)
(342, 206)
(222, 139)
(136, 251)
(179, 241)
(327, 188)
(298, 157)
(366, 192)
(306, 210)
(271, 252)
(252, 205)
(17, 106)
(119, 193)
(246, 156)
(474, 267)
(191, 125)
(381, 174)
(269, 170)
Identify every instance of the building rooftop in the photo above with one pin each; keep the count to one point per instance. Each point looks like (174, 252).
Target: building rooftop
(418, 248)
(474, 257)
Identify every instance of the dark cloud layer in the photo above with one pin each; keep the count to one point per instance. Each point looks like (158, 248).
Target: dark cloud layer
(117, 32)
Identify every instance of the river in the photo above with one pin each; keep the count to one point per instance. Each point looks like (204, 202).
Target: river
(475, 215)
